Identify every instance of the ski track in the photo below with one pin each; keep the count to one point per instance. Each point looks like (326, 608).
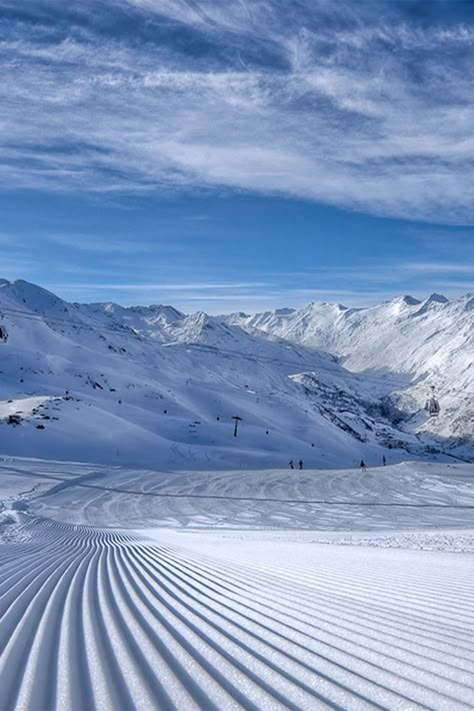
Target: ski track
(331, 501)
(103, 619)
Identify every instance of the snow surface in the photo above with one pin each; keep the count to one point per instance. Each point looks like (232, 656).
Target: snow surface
(150, 386)
(149, 559)
(432, 342)
(122, 588)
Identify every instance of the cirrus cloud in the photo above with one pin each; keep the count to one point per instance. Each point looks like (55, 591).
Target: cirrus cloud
(362, 109)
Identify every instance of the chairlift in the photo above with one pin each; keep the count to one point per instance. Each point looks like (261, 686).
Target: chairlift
(432, 404)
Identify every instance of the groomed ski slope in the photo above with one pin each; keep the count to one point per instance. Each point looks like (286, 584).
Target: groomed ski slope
(301, 590)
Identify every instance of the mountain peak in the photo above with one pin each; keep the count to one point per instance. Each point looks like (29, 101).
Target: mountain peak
(437, 298)
(431, 302)
(35, 297)
(406, 300)
(285, 311)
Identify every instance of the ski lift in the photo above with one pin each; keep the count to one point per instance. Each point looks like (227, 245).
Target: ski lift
(3, 334)
(432, 404)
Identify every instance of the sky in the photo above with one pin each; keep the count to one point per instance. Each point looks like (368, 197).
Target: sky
(241, 155)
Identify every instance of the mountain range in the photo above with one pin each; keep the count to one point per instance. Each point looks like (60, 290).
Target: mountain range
(154, 387)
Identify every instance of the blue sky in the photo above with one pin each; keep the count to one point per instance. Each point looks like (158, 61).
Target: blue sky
(244, 154)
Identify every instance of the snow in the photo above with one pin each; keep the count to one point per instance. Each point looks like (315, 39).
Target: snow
(150, 559)
(430, 342)
(123, 588)
(21, 406)
(151, 386)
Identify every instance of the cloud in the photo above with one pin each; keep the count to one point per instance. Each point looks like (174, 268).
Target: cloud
(357, 108)
(194, 287)
(215, 298)
(441, 268)
(353, 287)
(15, 264)
(95, 244)
(98, 244)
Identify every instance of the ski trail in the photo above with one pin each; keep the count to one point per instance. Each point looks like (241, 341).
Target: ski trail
(102, 619)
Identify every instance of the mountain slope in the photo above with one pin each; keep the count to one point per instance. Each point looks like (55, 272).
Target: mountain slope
(431, 343)
(152, 386)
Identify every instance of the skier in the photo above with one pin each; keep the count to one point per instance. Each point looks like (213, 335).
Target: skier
(300, 464)
(362, 465)
(384, 460)
(291, 464)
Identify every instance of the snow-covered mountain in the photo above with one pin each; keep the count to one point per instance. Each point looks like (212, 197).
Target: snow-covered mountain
(152, 321)
(424, 343)
(153, 386)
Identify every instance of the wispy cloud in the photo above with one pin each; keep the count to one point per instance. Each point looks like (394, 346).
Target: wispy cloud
(323, 101)
(442, 268)
(97, 244)
(194, 287)
(350, 286)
